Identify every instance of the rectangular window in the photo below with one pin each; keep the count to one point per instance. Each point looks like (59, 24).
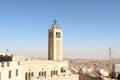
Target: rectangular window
(16, 72)
(2, 65)
(10, 74)
(8, 63)
(18, 62)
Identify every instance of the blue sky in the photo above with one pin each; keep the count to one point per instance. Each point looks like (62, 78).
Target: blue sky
(89, 27)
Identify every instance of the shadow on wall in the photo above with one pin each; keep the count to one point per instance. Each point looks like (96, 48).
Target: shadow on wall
(87, 77)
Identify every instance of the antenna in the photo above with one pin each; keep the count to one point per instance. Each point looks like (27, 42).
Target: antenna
(7, 51)
(110, 58)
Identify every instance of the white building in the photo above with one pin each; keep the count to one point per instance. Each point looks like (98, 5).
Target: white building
(53, 69)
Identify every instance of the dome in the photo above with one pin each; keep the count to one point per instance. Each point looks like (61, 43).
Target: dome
(55, 27)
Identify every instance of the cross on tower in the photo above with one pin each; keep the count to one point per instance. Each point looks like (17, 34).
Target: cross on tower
(55, 21)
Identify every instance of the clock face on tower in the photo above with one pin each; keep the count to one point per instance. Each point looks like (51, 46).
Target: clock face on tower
(51, 35)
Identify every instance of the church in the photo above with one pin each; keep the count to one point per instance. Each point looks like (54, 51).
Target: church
(55, 68)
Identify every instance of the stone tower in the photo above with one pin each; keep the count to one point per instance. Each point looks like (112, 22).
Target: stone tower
(55, 42)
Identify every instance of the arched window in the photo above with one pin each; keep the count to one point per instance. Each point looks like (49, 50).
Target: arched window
(51, 73)
(29, 74)
(40, 73)
(45, 73)
(26, 76)
(32, 74)
(56, 72)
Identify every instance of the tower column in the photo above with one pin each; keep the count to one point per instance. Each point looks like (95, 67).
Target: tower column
(55, 43)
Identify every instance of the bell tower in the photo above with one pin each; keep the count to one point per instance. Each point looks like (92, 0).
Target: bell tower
(55, 42)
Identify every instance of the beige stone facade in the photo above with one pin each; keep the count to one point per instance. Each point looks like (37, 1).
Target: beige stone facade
(40, 69)
(43, 68)
(9, 70)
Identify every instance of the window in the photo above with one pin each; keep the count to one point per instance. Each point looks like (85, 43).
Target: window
(63, 70)
(2, 65)
(51, 35)
(45, 73)
(28, 75)
(16, 72)
(51, 73)
(8, 63)
(0, 75)
(18, 62)
(57, 34)
(10, 74)
(54, 72)
(32, 74)
(42, 73)
(39, 73)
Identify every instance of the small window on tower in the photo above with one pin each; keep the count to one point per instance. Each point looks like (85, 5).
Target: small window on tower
(57, 34)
